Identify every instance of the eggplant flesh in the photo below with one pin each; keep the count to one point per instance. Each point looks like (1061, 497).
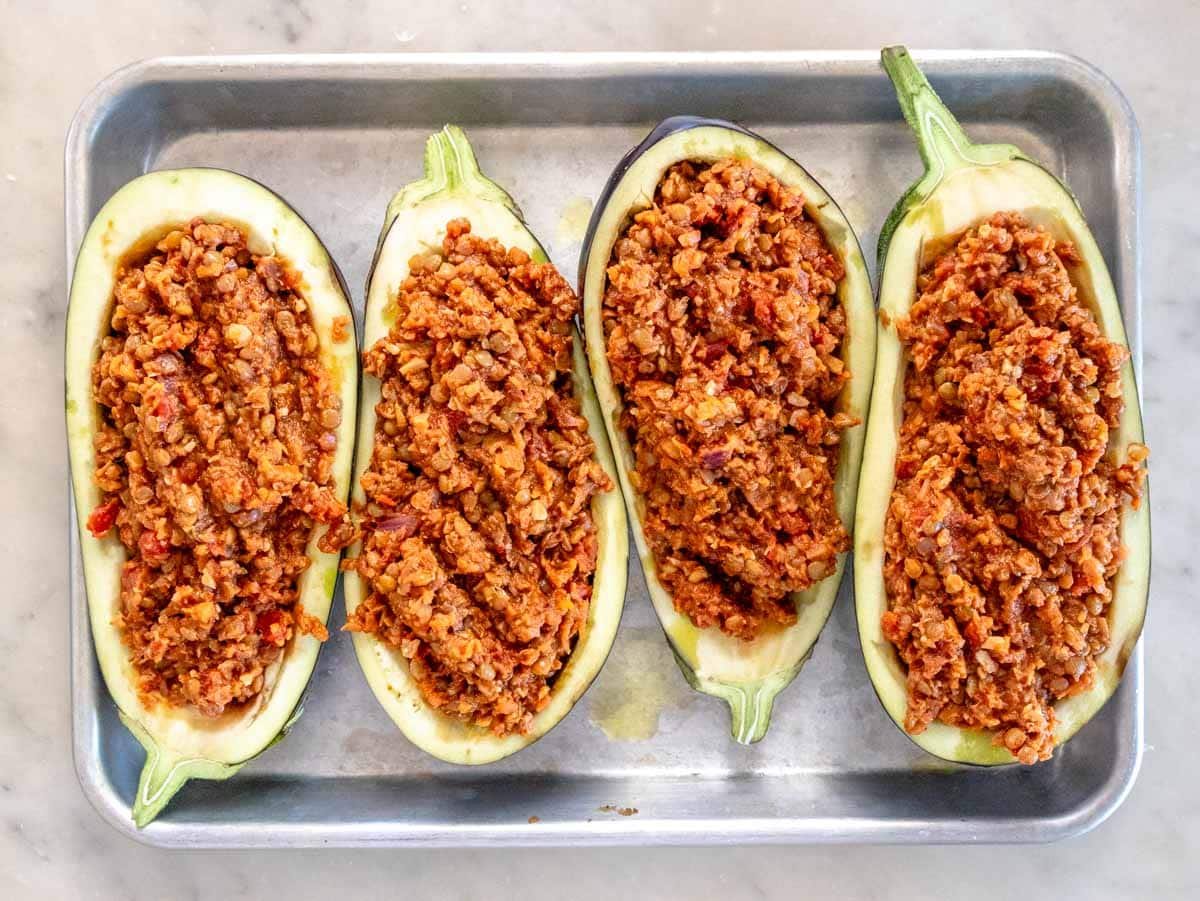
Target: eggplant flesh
(963, 185)
(180, 743)
(415, 222)
(746, 675)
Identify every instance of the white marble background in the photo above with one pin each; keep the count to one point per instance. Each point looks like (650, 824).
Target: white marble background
(52, 844)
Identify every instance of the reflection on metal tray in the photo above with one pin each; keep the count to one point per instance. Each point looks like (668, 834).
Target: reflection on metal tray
(642, 758)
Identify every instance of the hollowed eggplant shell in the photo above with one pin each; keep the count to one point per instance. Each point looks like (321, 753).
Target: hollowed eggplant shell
(454, 187)
(963, 185)
(180, 743)
(747, 675)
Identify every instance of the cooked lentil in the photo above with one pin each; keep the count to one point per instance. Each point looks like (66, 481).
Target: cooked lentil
(1003, 532)
(479, 546)
(724, 335)
(213, 457)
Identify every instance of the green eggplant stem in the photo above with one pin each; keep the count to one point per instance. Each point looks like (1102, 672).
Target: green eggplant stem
(156, 786)
(449, 159)
(161, 777)
(450, 168)
(164, 773)
(940, 139)
(750, 710)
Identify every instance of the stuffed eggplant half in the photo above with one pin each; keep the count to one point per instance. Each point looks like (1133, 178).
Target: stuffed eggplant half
(1003, 539)
(729, 322)
(488, 584)
(210, 392)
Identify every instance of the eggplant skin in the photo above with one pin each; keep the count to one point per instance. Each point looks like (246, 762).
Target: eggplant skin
(416, 218)
(964, 184)
(747, 677)
(180, 743)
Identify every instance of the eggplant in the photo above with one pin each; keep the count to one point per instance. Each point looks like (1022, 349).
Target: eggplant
(747, 675)
(964, 184)
(415, 222)
(180, 743)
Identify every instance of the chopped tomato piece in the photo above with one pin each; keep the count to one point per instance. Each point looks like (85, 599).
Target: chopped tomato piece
(271, 627)
(102, 518)
(153, 550)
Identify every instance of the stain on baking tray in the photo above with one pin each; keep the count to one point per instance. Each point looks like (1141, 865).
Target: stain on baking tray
(573, 221)
(638, 684)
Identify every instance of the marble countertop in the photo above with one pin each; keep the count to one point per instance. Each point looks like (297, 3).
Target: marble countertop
(53, 845)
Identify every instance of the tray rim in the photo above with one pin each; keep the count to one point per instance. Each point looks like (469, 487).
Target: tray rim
(100, 792)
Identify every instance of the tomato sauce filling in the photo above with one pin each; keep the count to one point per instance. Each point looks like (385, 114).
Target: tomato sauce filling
(1003, 531)
(214, 458)
(479, 547)
(724, 337)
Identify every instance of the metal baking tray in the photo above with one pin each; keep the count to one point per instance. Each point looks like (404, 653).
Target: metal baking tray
(642, 758)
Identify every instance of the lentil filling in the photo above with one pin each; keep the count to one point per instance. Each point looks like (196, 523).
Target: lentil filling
(724, 334)
(1003, 531)
(479, 546)
(213, 457)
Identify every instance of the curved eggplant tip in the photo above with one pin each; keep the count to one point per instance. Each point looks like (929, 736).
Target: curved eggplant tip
(449, 158)
(159, 782)
(940, 139)
(165, 773)
(451, 165)
(749, 707)
(160, 779)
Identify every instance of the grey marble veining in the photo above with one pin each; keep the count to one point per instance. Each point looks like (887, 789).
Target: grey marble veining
(53, 845)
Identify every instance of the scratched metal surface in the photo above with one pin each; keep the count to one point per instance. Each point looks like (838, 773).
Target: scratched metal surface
(335, 136)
